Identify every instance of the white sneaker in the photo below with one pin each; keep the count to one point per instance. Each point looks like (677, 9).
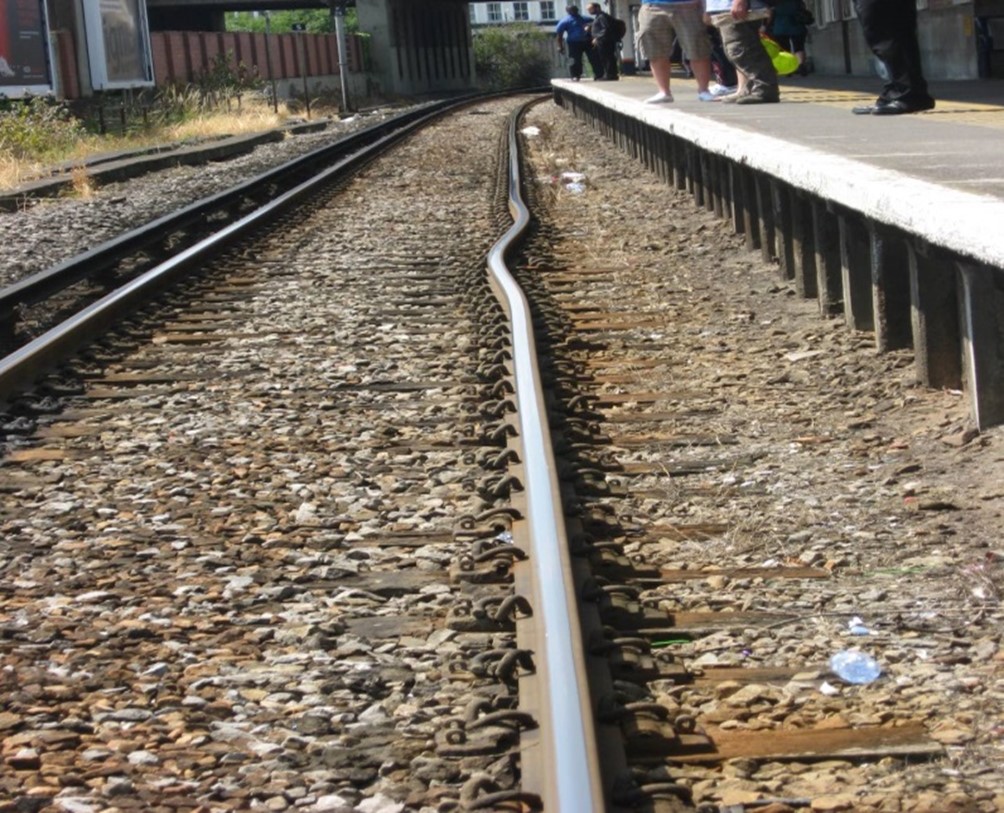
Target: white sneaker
(721, 90)
(660, 98)
(706, 96)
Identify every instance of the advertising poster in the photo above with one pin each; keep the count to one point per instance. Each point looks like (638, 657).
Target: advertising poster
(118, 44)
(24, 48)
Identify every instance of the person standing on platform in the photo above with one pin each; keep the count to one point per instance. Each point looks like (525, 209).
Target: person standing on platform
(890, 29)
(739, 22)
(573, 28)
(604, 42)
(788, 27)
(658, 20)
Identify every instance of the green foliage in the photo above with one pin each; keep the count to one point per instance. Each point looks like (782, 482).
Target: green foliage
(512, 56)
(36, 127)
(226, 77)
(224, 81)
(174, 105)
(315, 21)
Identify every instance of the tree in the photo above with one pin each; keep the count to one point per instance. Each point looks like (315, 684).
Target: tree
(314, 21)
(513, 56)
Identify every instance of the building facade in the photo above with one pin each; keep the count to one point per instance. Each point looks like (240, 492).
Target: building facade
(959, 39)
(538, 12)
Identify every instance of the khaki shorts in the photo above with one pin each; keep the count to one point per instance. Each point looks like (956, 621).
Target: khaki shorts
(659, 22)
(718, 19)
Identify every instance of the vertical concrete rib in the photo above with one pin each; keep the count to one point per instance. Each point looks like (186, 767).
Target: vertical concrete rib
(707, 181)
(935, 318)
(748, 197)
(764, 215)
(691, 167)
(981, 306)
(826, 246)
(724, 207)
(855, 272)
(890, 267)
(803, 246)
(679, 151)
(736, 198)
(784, 249)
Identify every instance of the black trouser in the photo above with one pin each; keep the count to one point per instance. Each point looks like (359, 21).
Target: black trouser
(575, 52)
(606, 55)
(890, 29)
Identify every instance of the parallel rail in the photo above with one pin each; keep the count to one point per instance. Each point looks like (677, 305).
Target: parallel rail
(299, 178)
(564, 746)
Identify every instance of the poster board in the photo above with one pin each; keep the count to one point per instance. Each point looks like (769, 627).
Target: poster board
(25, 53)
(118, 44)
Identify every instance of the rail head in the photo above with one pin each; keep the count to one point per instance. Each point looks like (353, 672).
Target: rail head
(567, 743)
(21, 368)
(37, 287)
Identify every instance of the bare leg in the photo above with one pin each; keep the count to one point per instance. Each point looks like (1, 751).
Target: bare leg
(702, 72)
(660, 72)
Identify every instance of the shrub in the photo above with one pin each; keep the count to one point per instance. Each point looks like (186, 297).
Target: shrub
(512, 56)
(175, 104)
(36, 127)
(225, 78)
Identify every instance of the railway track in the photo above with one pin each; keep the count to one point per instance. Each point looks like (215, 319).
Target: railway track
(254, 489)
(277, 543)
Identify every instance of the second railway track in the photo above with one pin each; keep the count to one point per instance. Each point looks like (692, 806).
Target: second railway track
(258, 545)
(227, 556)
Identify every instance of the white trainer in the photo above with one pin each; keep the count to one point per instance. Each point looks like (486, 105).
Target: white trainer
(721, 90)
(660, 98)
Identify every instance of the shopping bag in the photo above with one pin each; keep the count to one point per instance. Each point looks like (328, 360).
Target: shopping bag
(784, 62)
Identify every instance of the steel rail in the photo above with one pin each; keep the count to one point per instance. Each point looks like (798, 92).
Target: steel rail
(30, 362)
(567, 732)
(45, 283)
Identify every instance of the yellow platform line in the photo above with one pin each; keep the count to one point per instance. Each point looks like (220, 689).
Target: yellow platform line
(984, 115)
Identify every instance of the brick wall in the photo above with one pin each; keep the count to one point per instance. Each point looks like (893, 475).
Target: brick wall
(181, 57)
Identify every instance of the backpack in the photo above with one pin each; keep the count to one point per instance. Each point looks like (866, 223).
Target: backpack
(803, 15)
(619, 27)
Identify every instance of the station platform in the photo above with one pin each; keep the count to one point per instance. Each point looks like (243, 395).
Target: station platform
(895, 221)
(958, 147)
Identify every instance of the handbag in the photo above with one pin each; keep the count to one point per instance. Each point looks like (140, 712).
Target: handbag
(784, 62)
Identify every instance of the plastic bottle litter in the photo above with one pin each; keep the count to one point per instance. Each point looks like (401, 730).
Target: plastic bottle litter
(857, 627)
(828, 689)
(574, 182)
(854, 666)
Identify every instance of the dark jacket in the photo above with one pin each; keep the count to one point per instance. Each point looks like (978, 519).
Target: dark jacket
(603, 29)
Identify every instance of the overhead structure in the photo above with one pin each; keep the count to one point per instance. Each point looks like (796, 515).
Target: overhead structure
(415, 47)
(419, 48)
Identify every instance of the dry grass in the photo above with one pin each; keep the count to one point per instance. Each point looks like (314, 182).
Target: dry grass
(83, 186)
(14, 172)
(250, 118)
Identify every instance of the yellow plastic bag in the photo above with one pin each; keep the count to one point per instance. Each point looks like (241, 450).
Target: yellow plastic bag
(784, 62)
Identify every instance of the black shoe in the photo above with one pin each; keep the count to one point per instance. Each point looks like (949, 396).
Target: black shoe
(894, 108)
(757, 98)
(899, 107)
